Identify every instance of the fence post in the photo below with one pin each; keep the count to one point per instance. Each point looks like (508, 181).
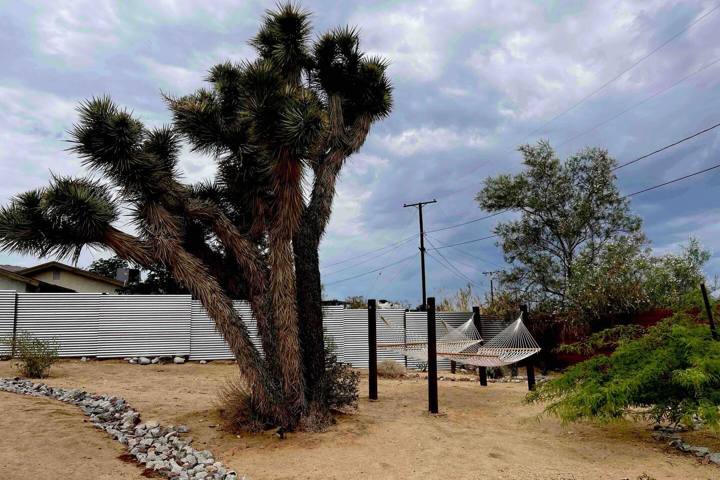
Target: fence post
(708, 310)
(432, 356)
(15, 324)
(528, 362)
(482, 371)
(372, 348)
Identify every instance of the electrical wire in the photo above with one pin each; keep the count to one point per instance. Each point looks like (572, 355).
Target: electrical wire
(619, 75)
(395, 247)
(637, 104)
(689, 137)
(373, 271)
(674, 180)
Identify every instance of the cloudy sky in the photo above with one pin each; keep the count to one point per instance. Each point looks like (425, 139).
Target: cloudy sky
(473, 80)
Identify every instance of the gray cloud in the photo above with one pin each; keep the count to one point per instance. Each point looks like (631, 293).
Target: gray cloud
(473, 80)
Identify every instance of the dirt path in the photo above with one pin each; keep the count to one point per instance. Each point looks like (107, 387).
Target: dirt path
(43, 438)
(485, 433)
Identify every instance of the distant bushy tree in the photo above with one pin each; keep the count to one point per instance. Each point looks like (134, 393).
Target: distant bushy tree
(568, 212)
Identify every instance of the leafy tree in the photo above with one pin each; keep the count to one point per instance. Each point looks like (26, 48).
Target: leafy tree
(671, 374)
(625, 277)
(300, 109)
(672, 277)
(461, 301)
(157, 279)
(568, 211)
(108, 267)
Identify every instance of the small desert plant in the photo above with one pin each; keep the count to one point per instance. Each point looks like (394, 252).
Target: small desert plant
(390, 369)
(339, 385)
(36, 355)
(238, 409)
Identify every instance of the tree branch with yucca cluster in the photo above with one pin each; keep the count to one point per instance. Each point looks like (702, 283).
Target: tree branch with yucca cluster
(297, 111)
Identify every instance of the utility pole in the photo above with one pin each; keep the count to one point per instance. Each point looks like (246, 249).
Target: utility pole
(492, 291)
(422, 247)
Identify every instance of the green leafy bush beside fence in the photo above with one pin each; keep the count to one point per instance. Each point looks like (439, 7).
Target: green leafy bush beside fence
(36, 355)
(670, 375)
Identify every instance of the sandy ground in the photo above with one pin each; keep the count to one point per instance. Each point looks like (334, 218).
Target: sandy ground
(483, 433)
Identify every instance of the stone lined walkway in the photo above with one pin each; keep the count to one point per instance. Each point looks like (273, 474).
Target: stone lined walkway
(153, 446)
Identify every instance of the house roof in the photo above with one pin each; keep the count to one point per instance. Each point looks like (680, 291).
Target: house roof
(20, 278)
(43, 286)
(12, 268)
(77, 271)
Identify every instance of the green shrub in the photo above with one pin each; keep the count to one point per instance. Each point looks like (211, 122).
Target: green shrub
(607, 339)
(339, 386)
(390, 369)
(36, 355)
(670, 374)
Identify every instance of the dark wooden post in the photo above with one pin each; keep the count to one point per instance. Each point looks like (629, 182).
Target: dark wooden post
(482, 371)
(15, 325)
(529, 361)
(453, 366)
(432, 356)
(708, 310)
(372, 348)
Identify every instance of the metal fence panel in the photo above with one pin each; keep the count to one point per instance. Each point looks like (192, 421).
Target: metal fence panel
(333, 316)
(387, 334)
(206, 343)
(7, 314)
(144, 325)
(69, 318)
(355, 335)
(491, 326)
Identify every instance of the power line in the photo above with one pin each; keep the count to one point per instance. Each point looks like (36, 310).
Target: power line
(395, 247)
(674, 180)
(470, 255)
(372, 271)
(615, 78)
(635, 105)
(464, 243)
(372, 251)
(451, 270)
(452, 265)
(623, 165)
(484, 217)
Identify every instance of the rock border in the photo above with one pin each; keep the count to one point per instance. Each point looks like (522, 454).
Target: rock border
(672, 437)
(153, 446)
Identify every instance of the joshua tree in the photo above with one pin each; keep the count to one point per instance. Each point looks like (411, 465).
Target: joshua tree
(297, 111)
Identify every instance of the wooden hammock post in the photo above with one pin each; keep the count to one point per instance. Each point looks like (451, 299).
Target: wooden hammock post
(528, 362)
(708, 310)
(372, 348)
(432, 356)
(482, 371)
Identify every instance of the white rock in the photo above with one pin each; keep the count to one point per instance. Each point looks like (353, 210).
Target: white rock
(203, 362)
(178, 360)
(144, 361)
(84, 359)
(155, 360)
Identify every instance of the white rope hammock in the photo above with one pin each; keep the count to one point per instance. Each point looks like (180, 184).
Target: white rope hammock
(463, 344)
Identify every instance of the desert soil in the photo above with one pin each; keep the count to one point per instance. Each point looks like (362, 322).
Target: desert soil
(482, 433)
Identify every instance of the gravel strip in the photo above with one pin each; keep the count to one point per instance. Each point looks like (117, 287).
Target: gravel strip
(153, 446)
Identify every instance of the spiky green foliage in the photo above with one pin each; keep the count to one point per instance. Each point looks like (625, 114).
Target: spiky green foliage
(61, 219)
(671, 374)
